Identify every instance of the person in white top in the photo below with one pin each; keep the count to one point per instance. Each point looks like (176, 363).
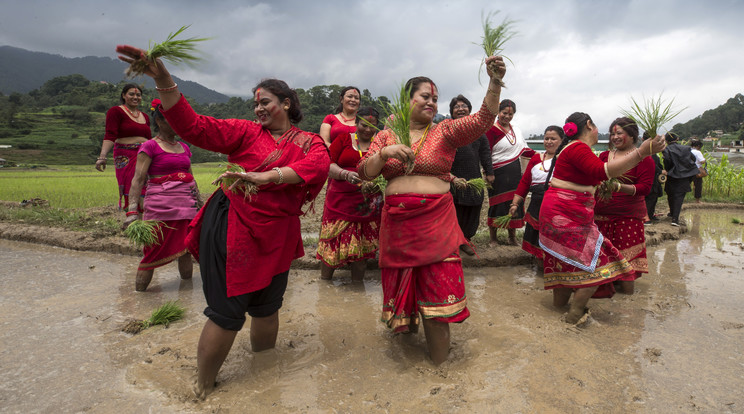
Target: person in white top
(697, 181)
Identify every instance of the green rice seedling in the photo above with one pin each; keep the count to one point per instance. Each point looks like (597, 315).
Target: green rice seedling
(606, 188)
(172, 49)
(249, 189)
(170, 311)
(502, 222)
(398, 119)
(477, 184)
(494, 38)
(144, 233)
(375, 186)
(735, 220)
(652, 114)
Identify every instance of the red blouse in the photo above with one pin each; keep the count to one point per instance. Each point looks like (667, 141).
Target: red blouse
(439, 146)
(120, 125)
(343, 153)
(577, 164)
(338, 128)
(263, 232)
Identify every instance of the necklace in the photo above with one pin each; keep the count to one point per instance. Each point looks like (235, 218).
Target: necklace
(359, 148)
(126, 108)
(513, 139)
(421, 141)
(542, 162)
(161, 139)
(345, 119)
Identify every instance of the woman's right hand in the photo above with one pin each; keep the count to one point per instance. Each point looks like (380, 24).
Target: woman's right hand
(129, 220)
(101, 164)
(400, 152)
(653, 146)
(152, 68)
(512, 210)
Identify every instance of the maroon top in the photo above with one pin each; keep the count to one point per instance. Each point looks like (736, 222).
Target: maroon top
(338, 128)
(120, 125)
(577, 164)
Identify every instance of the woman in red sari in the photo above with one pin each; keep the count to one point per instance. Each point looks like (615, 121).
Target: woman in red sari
(245, 245)
(620, 219)
(126, 129)
(172, 197)
(579, 259)
(344, 121)
(351, 218)
(419, 234)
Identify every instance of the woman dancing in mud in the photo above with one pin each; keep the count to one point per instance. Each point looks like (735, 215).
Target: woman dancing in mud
(245, 244)
(621, 218)
(172, 197)
(419, 234)
(578, 258)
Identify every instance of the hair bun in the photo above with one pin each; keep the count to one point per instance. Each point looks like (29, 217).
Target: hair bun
(570, 129)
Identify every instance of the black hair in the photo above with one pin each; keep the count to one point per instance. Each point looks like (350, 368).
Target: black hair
(628, 125)
(671, 137)
(413, 84)
(156, 114)
(508, 103)
(580, 119)
(696, 143)
(126, 88)
(283, 91)
(340, 106)
(459, 98)
(558, 130)
(367, 111)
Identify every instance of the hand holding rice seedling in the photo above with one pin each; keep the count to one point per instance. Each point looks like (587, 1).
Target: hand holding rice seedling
(607, 187)
(398, 120)
(375, 186)
(652, 114)
(230, 180)
(494, 38)
(172, 49)
(502, 222)
(477, 184)
(144, 233)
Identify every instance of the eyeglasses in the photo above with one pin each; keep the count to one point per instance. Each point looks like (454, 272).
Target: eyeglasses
(460, 106)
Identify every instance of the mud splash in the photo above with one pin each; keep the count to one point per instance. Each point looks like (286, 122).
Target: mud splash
(677, 345)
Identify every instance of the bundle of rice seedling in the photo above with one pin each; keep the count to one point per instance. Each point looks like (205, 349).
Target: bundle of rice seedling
(606, 188)
(169, 312)
(736, 221)
(502, 222)
(398, 119)
(144, 232)
(478, 184)
(172, 49)
(249, 189)
(375, 186)
(653, 114)
(494, 38)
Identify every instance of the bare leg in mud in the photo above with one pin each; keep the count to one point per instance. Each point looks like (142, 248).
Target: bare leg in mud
(214, 345)
(437, 339)
(512, 236)
(326, 272)
(578, 306)
(264, 332)
(494, 236)
(561, 296)
(627, 287)
(143, 279)
(185, 266)
(358, 269)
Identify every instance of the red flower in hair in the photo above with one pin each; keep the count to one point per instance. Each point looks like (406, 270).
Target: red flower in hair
(155, 103)
(570, 129)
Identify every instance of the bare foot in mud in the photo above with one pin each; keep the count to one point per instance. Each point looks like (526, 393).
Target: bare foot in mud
(201, 391)
(577, 316)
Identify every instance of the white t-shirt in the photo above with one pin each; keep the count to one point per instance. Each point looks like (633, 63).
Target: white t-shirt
(699, 159)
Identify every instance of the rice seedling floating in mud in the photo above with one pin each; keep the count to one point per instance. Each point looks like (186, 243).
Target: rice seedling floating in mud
(494, 38)
(172, 49)
(736, 221)
(144, 232)
(502, 222)
(169, 312)
(398, 119)
(249, 189)
(651, 114)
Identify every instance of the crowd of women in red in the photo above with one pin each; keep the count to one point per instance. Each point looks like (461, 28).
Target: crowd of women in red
(245, 241)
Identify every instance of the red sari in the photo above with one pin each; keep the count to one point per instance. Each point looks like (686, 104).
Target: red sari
(263, 232)
(621, 218)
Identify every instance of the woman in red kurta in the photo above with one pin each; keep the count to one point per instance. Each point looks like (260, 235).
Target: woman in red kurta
(621, 218)
(126, 129)
(579, 259)
(351, 218)
(245, 244)
(419, 234)
(343, 122)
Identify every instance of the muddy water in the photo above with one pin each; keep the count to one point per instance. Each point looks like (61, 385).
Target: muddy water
(675, 346)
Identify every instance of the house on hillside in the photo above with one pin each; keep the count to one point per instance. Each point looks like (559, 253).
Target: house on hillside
(2, 162)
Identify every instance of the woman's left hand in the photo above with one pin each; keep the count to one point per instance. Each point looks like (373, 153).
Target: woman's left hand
(257, 178)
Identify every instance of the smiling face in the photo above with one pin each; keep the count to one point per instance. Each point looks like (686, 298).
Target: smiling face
(551, 141)
(620, 139)
(350, 101)
(364, 130)
(132, 97)
(424, 102)
(506, 115)
(460, 110)
(270, 112)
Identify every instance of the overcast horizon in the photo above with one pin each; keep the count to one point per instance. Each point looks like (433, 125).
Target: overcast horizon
(569, 55)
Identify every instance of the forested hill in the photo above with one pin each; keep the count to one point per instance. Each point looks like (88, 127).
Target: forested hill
(728, 117)
(23, 71)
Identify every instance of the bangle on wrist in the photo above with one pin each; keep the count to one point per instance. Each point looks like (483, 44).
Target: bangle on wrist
(634, 189)
(281, 175)
(381, 156)
(638, 151)
(101, 158)
(168, 89)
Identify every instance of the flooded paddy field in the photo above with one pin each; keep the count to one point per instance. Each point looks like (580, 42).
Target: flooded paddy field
(677, 345)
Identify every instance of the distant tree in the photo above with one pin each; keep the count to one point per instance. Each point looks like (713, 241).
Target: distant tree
(60, 84)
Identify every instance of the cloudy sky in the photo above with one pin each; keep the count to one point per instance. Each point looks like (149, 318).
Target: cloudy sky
(569, 55)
